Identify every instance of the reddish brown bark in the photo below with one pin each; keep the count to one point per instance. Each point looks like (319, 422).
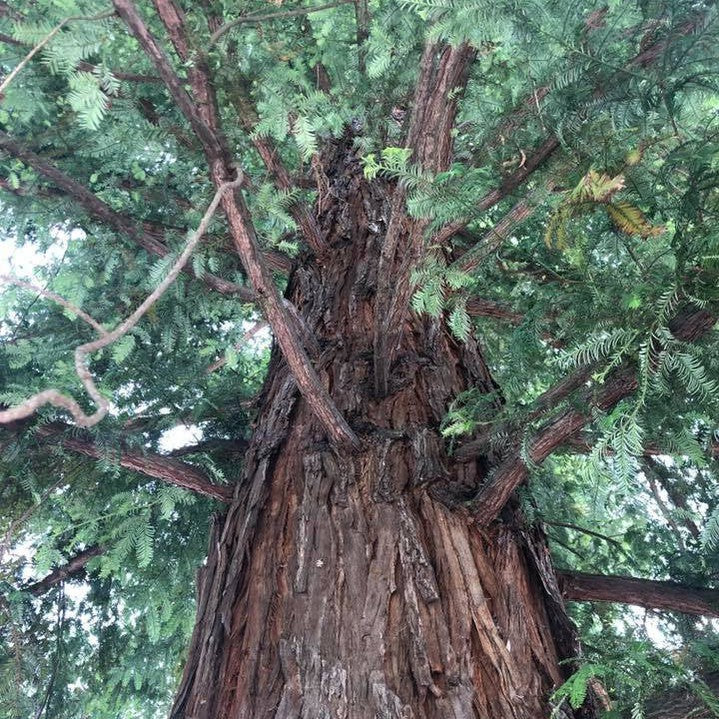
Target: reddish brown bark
(444, 72)
(353, 585)
(582, 587)
(158, 466)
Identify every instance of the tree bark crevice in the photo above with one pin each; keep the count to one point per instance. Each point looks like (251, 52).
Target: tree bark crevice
(342, 584)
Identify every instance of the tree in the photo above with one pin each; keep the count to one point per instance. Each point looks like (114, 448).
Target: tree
(482, 238)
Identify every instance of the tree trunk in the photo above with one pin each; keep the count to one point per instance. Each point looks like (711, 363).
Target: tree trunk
(354, 585)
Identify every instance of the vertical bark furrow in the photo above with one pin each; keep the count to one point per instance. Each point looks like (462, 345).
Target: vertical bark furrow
(346, 588)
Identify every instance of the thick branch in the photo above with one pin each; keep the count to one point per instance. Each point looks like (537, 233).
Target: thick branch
(507, 187)
(308, 382)
(444, 72)
(362, 22)
(213, 146)
(671, 596)
(689, 325)
(74, 567)
(473, 257)
(663, 476)
(157, 466)
(514, 470)
(548, 400)
(684, 702)
(243, 234)
(205, 97)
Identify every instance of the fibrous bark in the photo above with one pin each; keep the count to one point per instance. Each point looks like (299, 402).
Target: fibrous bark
(355, 585)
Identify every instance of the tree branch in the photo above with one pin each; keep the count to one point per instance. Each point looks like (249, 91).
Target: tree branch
(663, 478)
(584, 530)
(13, 74)
(200, 81)
(688, 325)
(10, 279)
(551, 143)
(480, 307)
(513, 471)
(255, 18)
(473, 257)
(443, 75)
(158, 466)
(74, 567)
(670, 596)
(222, 361)
(214, 147)
(542, 153)
(685, 702)
(98, 209)
(362, 22)
(546, 401)
(57, 399)
(243, 233)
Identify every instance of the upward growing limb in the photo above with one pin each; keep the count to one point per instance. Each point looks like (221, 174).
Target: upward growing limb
(221, 168)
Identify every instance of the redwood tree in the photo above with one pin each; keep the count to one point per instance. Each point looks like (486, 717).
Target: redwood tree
(481, 237)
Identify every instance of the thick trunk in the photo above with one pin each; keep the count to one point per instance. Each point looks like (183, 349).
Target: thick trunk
(353, 584)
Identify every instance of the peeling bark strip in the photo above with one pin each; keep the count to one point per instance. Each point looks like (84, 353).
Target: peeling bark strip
(341, 585)
(582, 587)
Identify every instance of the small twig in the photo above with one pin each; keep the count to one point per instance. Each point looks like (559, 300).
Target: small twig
(272, 16)
(584, 530)
(56, 398)
(567, 547)
(6, 82)
(17, 523)
(222, 361)
(11, 279)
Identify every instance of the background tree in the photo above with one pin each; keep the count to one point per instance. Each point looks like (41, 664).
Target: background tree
(483, 238)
